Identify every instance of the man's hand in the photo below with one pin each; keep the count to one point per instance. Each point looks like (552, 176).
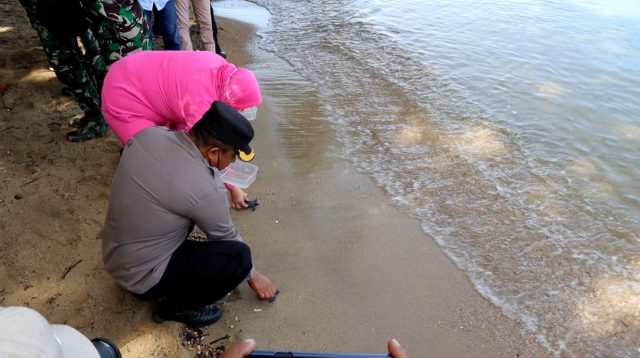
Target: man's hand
(262, 286)
(396, 350)
(238, 197)
(240, 349)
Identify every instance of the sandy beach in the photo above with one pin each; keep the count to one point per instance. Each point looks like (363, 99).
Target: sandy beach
(353, 270)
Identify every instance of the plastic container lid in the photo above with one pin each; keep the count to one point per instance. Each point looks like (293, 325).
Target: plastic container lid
(240, 174)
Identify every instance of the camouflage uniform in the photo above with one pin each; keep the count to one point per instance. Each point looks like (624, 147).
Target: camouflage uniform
(66, 59)
(93, 59)
(120, 27)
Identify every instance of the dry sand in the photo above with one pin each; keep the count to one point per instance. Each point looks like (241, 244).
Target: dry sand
(353, 271)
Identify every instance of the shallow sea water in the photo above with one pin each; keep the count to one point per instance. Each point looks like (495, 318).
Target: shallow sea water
(510, 129)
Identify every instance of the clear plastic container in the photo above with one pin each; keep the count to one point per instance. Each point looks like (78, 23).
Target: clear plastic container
(240, 174)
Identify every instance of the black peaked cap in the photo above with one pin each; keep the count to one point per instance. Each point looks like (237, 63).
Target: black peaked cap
(229, 126)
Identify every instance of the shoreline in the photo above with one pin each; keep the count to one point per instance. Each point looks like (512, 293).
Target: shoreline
(349, 254)
(353, 271)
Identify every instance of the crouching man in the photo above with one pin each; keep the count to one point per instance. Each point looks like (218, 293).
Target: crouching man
(166, 183)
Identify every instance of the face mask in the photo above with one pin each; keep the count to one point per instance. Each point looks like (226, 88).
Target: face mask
(249, 113)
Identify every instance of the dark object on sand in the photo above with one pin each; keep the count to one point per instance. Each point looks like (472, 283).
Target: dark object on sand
(274, 354)
(274, 297)
(252, 204)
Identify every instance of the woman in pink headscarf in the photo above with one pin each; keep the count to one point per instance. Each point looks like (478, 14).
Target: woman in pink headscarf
(174, 89)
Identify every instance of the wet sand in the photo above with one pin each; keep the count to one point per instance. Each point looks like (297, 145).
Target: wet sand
(353, 271)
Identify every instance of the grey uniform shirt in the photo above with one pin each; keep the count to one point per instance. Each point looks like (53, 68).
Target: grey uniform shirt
(162, 186)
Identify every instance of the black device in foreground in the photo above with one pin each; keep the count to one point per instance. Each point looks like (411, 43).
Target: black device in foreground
(274, 354)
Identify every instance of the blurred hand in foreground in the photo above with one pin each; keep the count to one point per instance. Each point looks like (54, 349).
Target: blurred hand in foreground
(243, 348)
(240, 349)
(396, 350)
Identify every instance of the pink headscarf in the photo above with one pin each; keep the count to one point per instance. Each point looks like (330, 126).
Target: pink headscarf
(240, 89)
(172, 88)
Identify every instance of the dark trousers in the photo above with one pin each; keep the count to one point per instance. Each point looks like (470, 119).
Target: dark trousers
(164, 21)
(214, 28)
(200, 273)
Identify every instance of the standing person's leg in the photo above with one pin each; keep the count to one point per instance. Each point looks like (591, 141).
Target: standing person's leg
(65, 58)
(120, 27)
(201, 9)
(93, 59)
(68, 64)
(198, 275)
(168, 21)
(148, 16)
(182, 12)
(214, 28)
(91, 47)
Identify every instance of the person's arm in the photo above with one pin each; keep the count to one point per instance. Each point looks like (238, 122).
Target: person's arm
(212, 216)
(238, 197)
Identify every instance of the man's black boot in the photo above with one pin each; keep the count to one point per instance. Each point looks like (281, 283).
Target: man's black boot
(195, 317)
